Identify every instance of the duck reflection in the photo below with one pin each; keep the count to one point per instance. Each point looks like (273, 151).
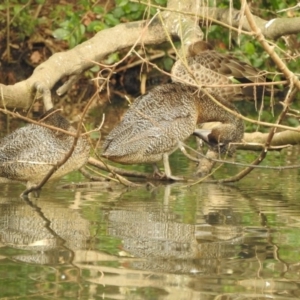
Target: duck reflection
(49, 233)
(186, 244)
(171, 245)
(53, 234)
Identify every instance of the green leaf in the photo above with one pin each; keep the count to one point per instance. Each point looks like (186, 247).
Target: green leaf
(78, 36)
(95, 68)
(72, 41)
(95, 26)
(153, 11)
(17, 9)
(168, 63)
(161, 2)
(121, 2)
(111, 20)
(82, 29)
(61, 34)
(65, 24)
(118, 12)
(249, 48)
(135, 16)
(112, 58)
(132, 7)
(98, 10)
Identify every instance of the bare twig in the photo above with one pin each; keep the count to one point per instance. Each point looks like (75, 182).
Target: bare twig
(17, 115)
(99, 164)
(287, 101)
(297, 6)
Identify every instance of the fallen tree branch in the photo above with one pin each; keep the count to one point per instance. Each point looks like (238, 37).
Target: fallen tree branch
(270, 29)
(280, 139)
(79, 59)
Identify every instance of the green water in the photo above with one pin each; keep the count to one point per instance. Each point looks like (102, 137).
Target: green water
(208, 241)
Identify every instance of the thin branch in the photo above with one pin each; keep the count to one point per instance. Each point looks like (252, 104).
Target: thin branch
(99, 164)
(286, 102)
(297, 6)
(223, 161)
(17, 115)
(98, 177)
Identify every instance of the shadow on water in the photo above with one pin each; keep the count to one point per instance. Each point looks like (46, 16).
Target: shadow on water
(170, 242)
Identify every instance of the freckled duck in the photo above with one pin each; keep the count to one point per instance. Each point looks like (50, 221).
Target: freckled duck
(29, 153)
(158, 122)
(210, 67)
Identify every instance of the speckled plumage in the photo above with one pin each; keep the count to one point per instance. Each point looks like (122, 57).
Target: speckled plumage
(209, 67)
(157, 122)
(28, 153)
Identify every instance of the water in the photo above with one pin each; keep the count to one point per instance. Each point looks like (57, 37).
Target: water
(207, 241)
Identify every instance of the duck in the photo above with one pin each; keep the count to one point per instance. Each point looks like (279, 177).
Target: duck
(205, 66)
(158, 122)
(30, 152)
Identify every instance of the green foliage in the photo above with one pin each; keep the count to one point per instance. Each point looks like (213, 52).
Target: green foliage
(74, 30)
(167, 63)
(67, 31)
(74, 22)
(79, 20)
(112, 58)
(20, 18)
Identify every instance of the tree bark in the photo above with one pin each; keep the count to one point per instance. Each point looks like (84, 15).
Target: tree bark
(271, 29)
(286, 137)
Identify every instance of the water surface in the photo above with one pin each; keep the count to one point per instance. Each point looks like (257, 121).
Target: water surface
(207, 241)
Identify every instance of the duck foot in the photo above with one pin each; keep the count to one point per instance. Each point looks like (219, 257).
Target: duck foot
(157, 174)
(164, 177)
